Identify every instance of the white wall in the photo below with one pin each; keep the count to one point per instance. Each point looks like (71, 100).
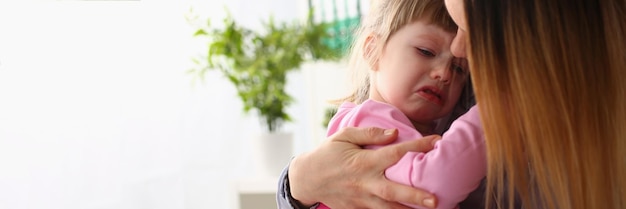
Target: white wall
(96, 110)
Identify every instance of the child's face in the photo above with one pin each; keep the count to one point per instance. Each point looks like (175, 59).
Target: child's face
(417, 73)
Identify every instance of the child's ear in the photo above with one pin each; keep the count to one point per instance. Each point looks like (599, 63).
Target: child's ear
(368, 52)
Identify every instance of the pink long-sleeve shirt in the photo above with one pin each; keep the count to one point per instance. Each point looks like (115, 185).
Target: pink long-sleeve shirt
(451, 171)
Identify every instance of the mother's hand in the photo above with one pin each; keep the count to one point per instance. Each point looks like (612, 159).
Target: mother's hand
(341, 174)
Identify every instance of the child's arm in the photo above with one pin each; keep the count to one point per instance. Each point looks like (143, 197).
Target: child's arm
(453, 169)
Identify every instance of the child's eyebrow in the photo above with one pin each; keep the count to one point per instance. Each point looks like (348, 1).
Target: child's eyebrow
(431, 38)
(435, 35)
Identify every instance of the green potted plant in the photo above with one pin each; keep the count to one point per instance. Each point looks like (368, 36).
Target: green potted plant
(257, 63)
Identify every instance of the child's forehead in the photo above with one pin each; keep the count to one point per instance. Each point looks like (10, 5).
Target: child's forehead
(444, 23)
(426, 31)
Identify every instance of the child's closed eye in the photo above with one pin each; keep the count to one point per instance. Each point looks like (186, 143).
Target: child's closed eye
(458, 69)
(426, 52)
(459, 65)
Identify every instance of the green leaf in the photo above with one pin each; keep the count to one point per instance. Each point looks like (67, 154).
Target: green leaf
(257, 62)
(200, 32)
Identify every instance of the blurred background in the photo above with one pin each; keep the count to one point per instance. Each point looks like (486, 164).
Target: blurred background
(98, 110)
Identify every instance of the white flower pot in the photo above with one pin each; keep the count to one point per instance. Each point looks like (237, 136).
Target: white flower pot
(271, 153)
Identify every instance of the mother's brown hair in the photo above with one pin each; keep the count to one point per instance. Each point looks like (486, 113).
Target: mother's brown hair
(550, 79)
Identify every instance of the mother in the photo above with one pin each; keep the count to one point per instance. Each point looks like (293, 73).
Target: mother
(550, 80)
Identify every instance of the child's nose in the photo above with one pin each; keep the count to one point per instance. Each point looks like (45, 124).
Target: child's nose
(442, 73)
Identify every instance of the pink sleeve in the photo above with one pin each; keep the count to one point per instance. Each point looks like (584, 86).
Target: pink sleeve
(453, 169)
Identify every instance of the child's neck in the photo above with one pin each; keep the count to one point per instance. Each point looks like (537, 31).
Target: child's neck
(424, 129)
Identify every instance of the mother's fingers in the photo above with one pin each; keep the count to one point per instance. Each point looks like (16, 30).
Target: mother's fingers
(375, 203)
(340, 165)
(365, 136)
(366, 202)
(392, 192)
(391, 154)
